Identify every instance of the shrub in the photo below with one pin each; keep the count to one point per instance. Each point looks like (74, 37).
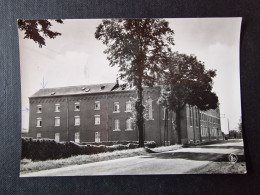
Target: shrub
(45, 149)
(150, 144)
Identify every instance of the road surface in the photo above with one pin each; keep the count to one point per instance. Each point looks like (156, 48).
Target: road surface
(172, 162)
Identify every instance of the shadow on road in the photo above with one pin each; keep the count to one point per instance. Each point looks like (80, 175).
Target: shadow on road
(195, 156)
(220, 147)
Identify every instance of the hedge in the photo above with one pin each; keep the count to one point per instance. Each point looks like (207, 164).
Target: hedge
(45, 149)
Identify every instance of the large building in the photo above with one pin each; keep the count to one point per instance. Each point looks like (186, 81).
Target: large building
(101, 113)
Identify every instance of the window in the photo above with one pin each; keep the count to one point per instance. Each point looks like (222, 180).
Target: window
(39, 108)
(77, 137)
(116, 107)
(190, 115)
(97, 137)
(164, 113)
(38, 135)
(150, 109)
(77, 120)
(117, 125)
(57, 137)
(57, 121)
(39, 122)
(97, 105)
(196, 117)
(77, 106)
(128, 106)
(97, 119)
(57, 107)
(129, 125)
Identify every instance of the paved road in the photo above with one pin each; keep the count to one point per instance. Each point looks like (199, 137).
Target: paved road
(171, 162)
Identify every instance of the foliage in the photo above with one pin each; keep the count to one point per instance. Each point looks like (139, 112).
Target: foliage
(37, 30)
(185, 81)
(44, 149)
(139, 47)
(240, 125)
(134, 112)
(190, 83)
(233, 134)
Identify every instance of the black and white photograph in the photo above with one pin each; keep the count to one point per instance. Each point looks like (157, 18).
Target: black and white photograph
(130, 96)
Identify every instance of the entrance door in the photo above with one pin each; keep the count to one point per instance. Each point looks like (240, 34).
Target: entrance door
(57, 137)
(97, 137)
(77, 137)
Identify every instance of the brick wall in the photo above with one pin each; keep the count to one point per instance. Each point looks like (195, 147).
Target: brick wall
(154, 128)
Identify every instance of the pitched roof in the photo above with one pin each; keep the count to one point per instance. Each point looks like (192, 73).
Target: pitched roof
(75, 90)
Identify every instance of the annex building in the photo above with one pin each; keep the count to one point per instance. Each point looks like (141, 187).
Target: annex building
(102, 112)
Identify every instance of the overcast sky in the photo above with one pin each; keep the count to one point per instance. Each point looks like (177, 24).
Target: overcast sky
(77, 58)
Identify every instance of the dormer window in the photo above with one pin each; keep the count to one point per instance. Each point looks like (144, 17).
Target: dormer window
(77, 106)
(39, 108)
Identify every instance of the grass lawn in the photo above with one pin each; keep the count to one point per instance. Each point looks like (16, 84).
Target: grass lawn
(28, 165)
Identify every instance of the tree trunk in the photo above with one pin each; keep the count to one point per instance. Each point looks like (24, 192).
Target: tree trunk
(178, 125)
(139, 111)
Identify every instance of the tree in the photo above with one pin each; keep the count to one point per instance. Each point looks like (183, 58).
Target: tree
(185, 81)
(240, 125)
(37, 30)
(138, 47)
(235, 134)
(240, 128)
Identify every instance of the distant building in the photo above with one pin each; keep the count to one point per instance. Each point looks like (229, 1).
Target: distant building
(102, 112)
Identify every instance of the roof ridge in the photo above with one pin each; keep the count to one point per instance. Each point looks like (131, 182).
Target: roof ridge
(78, 85)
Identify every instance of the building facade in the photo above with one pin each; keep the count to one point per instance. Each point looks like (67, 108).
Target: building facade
(101, 113)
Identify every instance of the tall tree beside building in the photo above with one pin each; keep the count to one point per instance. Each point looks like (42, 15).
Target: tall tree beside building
(186, 81)
(37, 30)
(138, 47)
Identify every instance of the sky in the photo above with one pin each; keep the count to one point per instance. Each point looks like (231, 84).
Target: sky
(77, 58)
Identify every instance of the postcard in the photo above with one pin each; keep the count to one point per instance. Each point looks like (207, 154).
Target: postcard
(135, 96)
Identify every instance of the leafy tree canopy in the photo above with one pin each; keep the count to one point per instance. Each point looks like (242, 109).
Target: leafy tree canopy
(186, 81)
(137, 46)
(37, 30)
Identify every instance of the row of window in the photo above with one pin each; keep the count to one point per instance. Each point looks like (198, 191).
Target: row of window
(191, 116)
(203, 117)
(128, 107)
(77, 137)
(205, 132)
(129, 123)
